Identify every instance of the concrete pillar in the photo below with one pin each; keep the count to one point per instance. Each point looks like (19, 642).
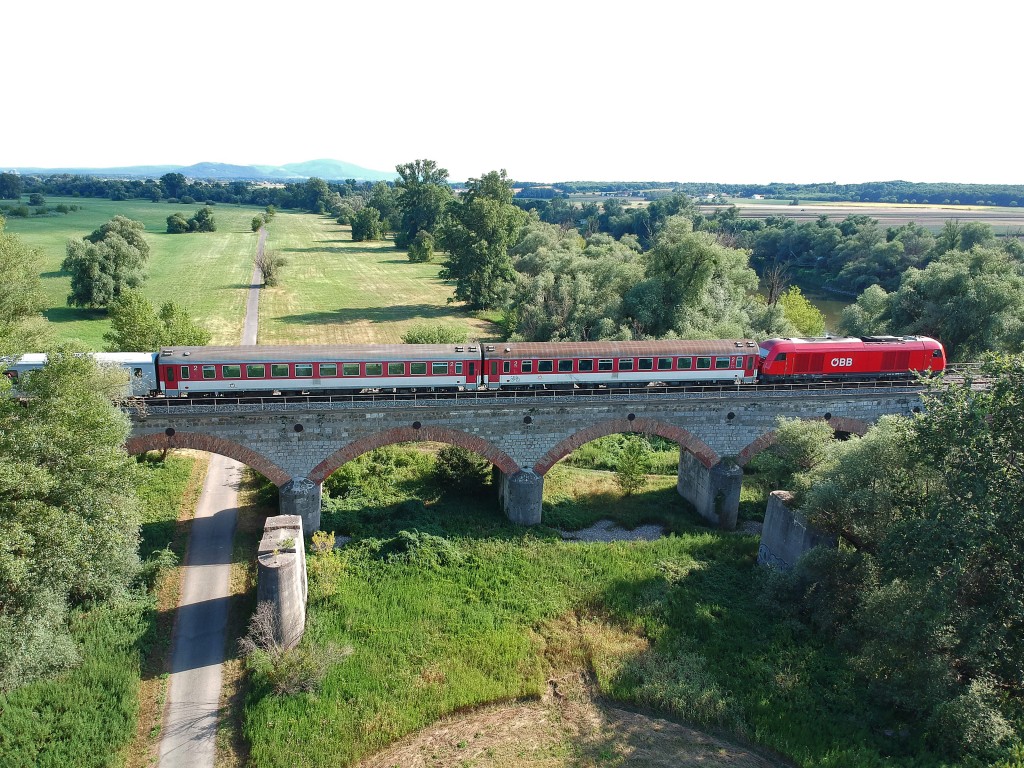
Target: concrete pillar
(714, 492)
(521, 496)
(300, 496)
(786, 536)
(281, 576)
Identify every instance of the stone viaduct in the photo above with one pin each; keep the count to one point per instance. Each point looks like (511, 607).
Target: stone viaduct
(296, 445)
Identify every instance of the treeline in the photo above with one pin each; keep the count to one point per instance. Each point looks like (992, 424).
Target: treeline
(873, 192)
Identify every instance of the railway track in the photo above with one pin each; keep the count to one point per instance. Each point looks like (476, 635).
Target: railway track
(955, 374)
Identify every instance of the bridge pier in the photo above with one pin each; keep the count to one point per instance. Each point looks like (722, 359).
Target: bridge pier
(521, 495)
(301, 496)
(714, 491)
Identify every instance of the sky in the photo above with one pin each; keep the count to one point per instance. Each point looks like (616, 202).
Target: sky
(556, 90)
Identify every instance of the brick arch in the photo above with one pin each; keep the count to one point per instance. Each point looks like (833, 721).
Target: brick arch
(199, 441)
(407, 435)
(687, 440)
(838, 424)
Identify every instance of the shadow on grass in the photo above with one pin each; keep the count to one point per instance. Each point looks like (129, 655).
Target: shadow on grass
(53, 274)
(371, 314)
(73, 314)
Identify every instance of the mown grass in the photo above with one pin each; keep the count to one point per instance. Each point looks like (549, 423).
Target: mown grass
(464, 609)
(86, 716)
(209, 273)
(334, 290)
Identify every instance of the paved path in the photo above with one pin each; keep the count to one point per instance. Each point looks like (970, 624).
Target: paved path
(197, 651)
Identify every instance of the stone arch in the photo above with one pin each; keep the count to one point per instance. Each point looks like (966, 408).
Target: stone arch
(406, 435)
(687, 440)
(838, 424)
(158, 441)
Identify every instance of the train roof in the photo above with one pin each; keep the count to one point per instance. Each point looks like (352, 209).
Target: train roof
(618, 348)
(824, 340)
(318, 353)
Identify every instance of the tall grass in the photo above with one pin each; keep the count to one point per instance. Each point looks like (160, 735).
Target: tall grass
(85, 716)
(470, 610)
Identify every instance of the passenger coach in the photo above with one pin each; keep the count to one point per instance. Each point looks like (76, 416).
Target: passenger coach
(623, 363)
(325, 369)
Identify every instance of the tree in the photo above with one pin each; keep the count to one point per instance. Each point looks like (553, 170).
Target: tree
(67, 509)
(422, 196)
(421, 249)
(174, 184)
(269, 264)
(801, 448)
(367, 225)
(257, 223)
(384, 198)
(176, 224)
(807, 318)
(477, 232)
(10, 186)
(36, 199)
(106, 262)
(21, 296)
(460, 469)
(202, 221)
(868, 316)
(136, 326)
(633, 465)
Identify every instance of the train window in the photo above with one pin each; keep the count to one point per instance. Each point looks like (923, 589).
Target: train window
(936, 353)
(646, 363)
(255, 371)
(780, 358)
(396, 369)
(506, 366)
(184, 372)
(304, 370)
(439, 369)
(586, 365)
(703, 363)
(565, 366)
(170, 373)
(545, 366)
(684, 363)
(352, 369)
(458, 369)
(418, 369)
(721, 362)
(494, 367)
(664, 363)
(209, 371)
(374, 369)
(279, 370)
(626, 365)
(527, 366)
(605, 365)
(231, 371)
(328, 369)
(750, 361)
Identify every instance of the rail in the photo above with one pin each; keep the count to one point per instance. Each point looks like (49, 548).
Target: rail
(161, 405)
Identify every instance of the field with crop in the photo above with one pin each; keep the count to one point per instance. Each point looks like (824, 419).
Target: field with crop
(334, 290)
(209, 273)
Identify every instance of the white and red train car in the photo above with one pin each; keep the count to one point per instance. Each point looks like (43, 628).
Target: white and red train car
(186, 371)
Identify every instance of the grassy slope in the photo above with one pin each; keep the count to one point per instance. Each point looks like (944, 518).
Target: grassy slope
(83, 717)
(334, 290)
(208, 272)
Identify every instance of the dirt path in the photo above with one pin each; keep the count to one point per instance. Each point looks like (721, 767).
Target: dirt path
(197, 650)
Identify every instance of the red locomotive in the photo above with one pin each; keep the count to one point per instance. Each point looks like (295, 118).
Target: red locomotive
(871, 357)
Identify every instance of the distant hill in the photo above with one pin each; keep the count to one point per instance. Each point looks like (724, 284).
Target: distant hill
(331, 170)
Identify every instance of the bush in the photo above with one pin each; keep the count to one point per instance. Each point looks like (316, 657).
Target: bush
(461, 469)
(36, 199)
(421, 249)
(437, 333)
(634, 461)
(970, 724)
(176, 224)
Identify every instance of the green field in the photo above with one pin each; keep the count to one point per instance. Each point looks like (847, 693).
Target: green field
(335, 291)
(209, 273)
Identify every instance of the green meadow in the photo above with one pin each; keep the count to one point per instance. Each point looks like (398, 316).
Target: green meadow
(209, 273)
(336, 291)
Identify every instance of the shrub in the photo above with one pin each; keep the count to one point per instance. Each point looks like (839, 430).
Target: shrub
(436, 333)
(634, 461)
(421, 249)
(970, 724)
(176, 224)
(461, 469)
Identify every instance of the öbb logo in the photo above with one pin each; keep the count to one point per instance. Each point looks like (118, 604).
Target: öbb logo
(842, 362)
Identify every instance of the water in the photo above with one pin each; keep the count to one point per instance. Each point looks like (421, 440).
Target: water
(831, 305)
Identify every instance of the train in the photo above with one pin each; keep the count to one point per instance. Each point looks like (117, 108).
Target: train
(413, 368)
